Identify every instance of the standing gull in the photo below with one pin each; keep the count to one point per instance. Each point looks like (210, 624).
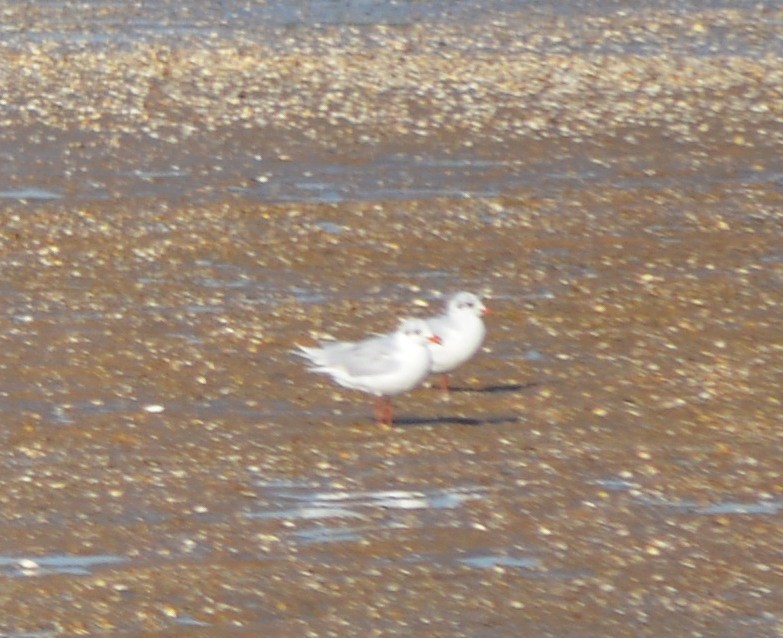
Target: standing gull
(384, 366)
(462, 332)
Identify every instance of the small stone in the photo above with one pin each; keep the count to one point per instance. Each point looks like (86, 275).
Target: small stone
(169, 611)
(154, 408)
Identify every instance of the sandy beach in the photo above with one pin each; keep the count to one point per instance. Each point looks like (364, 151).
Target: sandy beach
(188, 194)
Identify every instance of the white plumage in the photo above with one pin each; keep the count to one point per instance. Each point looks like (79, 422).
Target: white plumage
(384, 365)
(461, 330)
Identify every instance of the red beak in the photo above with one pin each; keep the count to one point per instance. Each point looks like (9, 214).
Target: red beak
(435, 339)
(486, 311)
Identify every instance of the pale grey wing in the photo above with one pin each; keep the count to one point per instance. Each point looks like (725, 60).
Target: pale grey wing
(368, 358)
(331, 351)
(440, 325)
(323, 354)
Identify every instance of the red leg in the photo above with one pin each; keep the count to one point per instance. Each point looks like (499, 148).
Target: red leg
(383, 411)
(389, 413)
(444, 382)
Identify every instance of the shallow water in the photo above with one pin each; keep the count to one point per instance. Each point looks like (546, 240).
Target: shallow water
(55, 564)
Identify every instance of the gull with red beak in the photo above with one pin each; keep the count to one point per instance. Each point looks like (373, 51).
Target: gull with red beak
(384, 366)
(462, 332)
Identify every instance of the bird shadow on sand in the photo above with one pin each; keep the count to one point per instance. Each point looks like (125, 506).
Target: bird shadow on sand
(409, 422)
(406, 422)
(498, 389)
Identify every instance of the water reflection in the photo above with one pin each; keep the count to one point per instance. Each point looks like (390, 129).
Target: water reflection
(325, 514)
(56, 564)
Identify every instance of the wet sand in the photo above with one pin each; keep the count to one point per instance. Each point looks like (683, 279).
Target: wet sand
(177, 218)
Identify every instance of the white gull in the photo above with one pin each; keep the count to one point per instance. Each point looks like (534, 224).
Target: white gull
(462, 332)
(385, 365)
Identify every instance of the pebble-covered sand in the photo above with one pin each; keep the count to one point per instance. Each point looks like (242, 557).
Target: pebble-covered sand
(182, 206)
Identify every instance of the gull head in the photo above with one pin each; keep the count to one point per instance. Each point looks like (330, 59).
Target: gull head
(467, 303)
(417, 330)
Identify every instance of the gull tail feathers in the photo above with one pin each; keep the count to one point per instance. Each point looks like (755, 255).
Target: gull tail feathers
(312, 354)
